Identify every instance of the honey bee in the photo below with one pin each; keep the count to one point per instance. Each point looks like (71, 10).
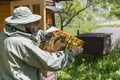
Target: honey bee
(61, 40)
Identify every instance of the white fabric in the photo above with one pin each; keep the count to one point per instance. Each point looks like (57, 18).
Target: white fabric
(21, 57)
(51, 29)
(22, 15)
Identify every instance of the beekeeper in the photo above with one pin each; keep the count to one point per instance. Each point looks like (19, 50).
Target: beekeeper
(20, 55)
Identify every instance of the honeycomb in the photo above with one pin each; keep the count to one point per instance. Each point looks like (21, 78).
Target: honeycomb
(61, 40)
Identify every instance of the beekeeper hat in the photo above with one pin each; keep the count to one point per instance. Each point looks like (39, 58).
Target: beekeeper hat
(22, 15)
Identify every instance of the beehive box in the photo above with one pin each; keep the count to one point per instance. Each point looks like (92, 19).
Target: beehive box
(96, 43)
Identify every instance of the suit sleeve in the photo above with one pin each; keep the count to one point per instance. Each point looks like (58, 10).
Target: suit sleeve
(36, 57)
(45, 60)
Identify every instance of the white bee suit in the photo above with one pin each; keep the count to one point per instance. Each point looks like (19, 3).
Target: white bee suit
(21, 57)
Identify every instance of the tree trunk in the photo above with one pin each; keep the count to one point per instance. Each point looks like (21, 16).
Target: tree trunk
(62, 28)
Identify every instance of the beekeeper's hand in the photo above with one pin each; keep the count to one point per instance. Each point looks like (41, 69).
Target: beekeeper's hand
(51, 30)
(76, 50)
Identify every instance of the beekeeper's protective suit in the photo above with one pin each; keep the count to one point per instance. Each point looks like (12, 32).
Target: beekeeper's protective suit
(20, 55)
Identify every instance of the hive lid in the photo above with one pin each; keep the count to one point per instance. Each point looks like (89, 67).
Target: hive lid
(93, 35)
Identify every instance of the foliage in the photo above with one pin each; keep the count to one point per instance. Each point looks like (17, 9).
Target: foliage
(73, 8)
(93, 67)
(113, 4)
(79, 11)
(115, 9)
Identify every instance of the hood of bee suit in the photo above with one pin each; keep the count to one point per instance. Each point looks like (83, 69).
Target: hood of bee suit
(18, 27)
(11, 32)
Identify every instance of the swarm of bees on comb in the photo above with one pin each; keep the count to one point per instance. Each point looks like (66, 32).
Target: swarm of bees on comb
(61, 40)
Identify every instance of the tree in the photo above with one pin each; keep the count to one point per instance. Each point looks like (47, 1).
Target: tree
(114, 5)
(73, 7)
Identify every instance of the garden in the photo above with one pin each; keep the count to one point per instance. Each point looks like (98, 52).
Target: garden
(85, 18)
(92, 67)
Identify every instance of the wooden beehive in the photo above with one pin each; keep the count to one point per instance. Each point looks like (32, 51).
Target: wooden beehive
(96, 43)
(4, 12)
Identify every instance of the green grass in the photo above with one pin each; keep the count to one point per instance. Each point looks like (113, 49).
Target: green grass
(92, 67)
